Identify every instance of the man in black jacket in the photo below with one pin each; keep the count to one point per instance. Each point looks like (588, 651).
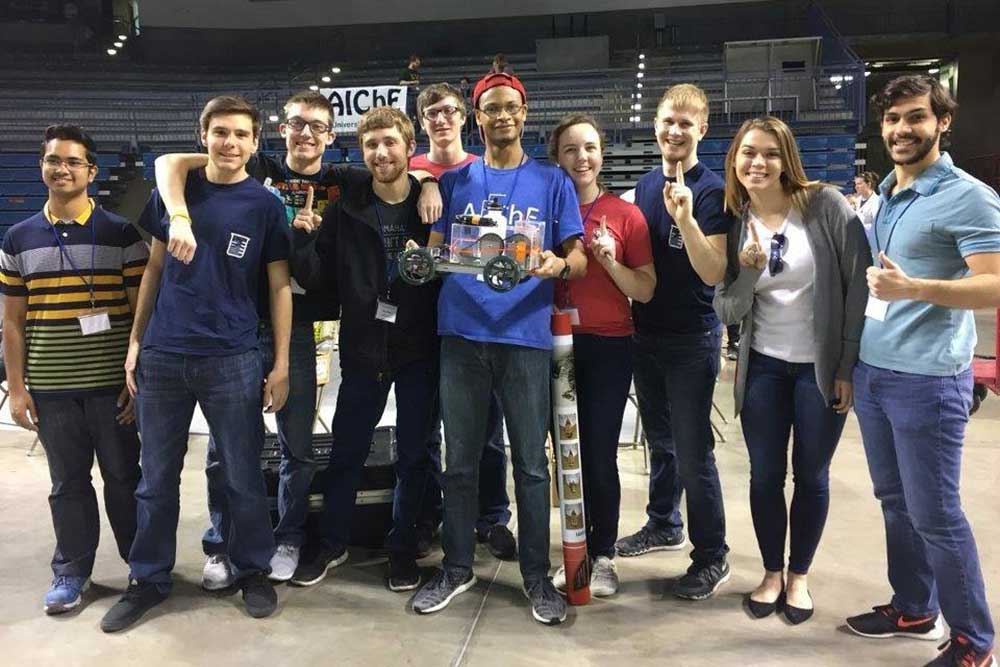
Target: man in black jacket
(388, 335)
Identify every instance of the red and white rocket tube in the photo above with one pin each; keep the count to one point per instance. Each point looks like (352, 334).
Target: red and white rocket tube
(566, 440)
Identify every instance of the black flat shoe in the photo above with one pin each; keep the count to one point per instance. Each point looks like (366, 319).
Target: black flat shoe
(765, 609)
(796, 615)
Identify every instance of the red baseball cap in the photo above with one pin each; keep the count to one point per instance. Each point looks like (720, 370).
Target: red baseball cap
(496, 80)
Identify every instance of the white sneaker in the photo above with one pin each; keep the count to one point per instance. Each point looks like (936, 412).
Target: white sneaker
(603, 578)
(283, 562)
(559, 579)
(217, 573)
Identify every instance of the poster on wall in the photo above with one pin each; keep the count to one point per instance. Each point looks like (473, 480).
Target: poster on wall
(350, 103)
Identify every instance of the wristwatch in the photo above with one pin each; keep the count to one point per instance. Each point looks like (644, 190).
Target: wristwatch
(564, 274)
(428, 179)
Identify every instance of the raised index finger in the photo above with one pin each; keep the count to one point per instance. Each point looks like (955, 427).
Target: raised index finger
(680, 174)
(309, 199)
(604, 225)
(753, 232)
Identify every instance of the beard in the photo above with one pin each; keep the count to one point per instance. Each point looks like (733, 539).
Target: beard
(390, 176)
(920, 152)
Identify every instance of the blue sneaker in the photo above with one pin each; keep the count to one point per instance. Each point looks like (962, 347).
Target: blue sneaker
(65, 593)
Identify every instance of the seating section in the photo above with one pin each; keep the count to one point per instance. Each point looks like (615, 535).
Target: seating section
(137, 111)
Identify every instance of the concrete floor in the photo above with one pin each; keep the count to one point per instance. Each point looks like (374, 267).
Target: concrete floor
(352, 619)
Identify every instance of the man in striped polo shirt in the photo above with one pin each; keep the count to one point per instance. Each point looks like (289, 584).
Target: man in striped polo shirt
(71, 274)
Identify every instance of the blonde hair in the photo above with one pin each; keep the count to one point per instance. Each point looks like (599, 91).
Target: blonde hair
(686, 96)
(794, 181)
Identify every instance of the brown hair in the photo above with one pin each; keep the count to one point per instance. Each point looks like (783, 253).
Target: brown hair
(384, 118)
(914, 85)
(312, 100)
(566, 123)
(870, 178)
(794, 182)
(686, 96)
(229, 104)
(435, 93)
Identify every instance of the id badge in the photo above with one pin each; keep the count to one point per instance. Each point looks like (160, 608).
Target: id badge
(386, 311)
(876, 309)
(94, 322)
(676, 240)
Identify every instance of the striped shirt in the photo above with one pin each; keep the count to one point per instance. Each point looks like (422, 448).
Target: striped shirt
(60, 359)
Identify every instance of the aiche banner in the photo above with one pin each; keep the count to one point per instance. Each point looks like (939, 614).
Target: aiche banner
(350, 103)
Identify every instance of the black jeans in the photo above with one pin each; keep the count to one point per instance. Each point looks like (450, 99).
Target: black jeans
(781, 399)
(603, 377)
(72, 431)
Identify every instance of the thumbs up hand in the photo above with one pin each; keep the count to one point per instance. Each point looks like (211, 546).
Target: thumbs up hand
(307, 219)
(890, 283)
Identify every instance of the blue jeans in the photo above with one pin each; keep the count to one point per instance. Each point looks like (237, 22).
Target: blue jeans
(73, 430)
(674, 383)
(913, 427)
(603, 377)
(295, 427)
(471, 372)
(360, 404)
(494, 502)
(782, 399)
(228, 390)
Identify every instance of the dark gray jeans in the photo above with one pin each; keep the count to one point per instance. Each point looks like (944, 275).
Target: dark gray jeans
(72, 430)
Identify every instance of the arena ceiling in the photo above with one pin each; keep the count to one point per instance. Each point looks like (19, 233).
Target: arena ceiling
(257, 14)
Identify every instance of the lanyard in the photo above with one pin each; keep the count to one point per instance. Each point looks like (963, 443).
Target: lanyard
(882, 212)
(590, 210)
(93, 259)
(510, 195)
(391, 263)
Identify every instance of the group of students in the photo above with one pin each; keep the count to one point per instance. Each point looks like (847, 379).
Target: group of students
(831, 317)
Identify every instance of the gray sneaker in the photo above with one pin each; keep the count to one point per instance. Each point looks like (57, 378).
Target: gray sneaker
(283, 562)
(649, 539)
(547, 606)
(439, 591)
(603, 578)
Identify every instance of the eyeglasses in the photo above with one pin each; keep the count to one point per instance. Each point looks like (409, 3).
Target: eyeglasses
(775, 264)
(494, 110)
(298, 124)
(72, 163)
(434, 114)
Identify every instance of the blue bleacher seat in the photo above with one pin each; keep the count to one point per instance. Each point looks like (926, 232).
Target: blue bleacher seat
(21, 203)
(11, 174)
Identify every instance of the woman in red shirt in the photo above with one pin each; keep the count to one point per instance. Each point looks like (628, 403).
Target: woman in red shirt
(620, 268)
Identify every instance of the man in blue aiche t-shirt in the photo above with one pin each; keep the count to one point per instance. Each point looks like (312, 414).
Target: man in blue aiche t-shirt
(936, 245)
(200, 347)
(501, 342)
(677, 346)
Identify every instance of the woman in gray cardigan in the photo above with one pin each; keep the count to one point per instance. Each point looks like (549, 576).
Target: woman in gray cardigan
(796, 281)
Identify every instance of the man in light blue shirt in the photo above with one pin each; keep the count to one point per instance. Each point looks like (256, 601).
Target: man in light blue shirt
(936, 242)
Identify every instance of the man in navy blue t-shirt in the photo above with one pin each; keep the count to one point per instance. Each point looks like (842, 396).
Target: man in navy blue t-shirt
(678, 343)
(501, 342)
(200, 347)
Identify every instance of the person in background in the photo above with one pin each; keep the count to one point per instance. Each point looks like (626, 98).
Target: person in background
(866, 189)
(442, 113)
